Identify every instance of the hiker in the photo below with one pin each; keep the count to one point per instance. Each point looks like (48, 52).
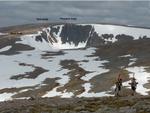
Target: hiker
(133, 85)
(118, 85)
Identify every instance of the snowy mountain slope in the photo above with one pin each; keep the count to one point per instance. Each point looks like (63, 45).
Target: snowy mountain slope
(74, 60)
(72, 36)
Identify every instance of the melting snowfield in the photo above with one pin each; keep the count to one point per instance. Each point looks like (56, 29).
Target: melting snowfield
(141, 75)
(3, 33)
(5, 48)
(142, 78)
(87, 86)
(115, 30)
(10, 64)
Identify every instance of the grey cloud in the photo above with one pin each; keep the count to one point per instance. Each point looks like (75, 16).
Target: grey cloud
(127, 12)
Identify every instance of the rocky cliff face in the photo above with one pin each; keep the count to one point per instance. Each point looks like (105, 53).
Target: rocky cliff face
(75, 33)
(90, 35)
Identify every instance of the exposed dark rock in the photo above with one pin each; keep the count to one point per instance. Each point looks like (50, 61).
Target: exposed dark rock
(95, 40)
(38, 38)
(107, 36)
(16, 49)
(55, 30)
(76, 72)
(44, 35)
(47, 85)
(29, 75)
(123, 37)
(75, 33)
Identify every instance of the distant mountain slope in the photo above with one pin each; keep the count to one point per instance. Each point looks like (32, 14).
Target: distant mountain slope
(71, 36)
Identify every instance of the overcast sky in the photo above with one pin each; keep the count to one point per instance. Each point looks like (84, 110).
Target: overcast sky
(127, 12)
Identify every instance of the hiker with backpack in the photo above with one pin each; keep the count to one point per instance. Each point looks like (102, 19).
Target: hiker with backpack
(118, 85)
(133, 85)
